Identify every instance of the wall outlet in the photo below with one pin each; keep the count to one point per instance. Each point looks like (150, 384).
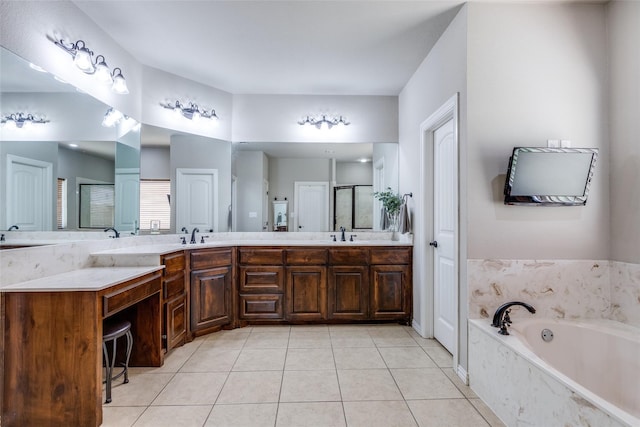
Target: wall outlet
(553, 143)
(565, 143)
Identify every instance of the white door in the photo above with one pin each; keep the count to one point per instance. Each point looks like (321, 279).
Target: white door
(127, 188)
(445, 191)
(312, 206)
(29, 189)
(197, 199)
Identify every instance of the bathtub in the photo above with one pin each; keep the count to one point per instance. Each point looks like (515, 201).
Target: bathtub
(587, 375)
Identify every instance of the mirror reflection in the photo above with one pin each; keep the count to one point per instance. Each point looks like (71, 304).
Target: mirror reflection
(47, 163)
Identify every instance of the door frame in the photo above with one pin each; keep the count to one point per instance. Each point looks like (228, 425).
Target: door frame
(446, 112)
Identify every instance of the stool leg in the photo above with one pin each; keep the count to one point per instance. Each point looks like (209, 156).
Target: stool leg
(126, 363)
(108, 373)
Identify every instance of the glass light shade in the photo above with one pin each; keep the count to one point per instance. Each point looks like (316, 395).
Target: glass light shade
(119, 83)
(195, 116)
(82, 59)
(10, 124)
(103, 74)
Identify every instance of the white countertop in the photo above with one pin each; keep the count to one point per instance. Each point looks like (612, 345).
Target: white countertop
(86, 279)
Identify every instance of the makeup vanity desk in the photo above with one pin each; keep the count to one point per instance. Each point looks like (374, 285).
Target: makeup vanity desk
(53, 354)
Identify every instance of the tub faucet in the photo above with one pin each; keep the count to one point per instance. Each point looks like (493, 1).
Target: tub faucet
(193, 235)
(501, 317)
(342, 236)
(13, 227)
(116, 233)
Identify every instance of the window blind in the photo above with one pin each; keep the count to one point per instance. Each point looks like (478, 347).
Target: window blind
(154, 203)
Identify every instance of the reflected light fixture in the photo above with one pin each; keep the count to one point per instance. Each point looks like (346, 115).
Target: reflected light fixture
(191, 111)
(112, 117)
(324, 120)
(21, 120)
(83, 59)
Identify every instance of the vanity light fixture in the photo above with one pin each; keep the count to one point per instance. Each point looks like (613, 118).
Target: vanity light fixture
(112, 118)
(190, 110)
(324, 119)
(21, 120)
(83, 59)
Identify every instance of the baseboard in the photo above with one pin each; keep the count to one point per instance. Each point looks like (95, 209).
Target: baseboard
(462, 373)
(418, 328)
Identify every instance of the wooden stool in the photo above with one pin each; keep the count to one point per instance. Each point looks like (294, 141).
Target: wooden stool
(111, 332)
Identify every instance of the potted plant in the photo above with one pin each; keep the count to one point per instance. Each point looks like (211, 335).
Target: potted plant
(391, 202)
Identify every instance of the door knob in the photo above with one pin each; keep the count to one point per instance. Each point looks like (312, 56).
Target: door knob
(434, 243)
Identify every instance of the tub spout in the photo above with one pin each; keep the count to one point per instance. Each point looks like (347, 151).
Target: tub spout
(501, 317)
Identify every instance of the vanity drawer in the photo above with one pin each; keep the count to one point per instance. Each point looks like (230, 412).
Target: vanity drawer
(391, 256)
(254, 307)
(133, 292)
(174, 286)
(262, 279)
(207, 258)
(306, 256)
(255, 256)
(173, 263)
(349, 256)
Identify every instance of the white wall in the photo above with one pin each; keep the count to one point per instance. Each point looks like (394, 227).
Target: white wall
(249, 169)
(441, 75)
(154, 163)
(535, 72)
(624, 59)
(274, 118)
(354, 173)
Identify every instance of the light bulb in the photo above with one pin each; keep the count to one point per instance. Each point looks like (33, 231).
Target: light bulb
(10, 124)
(103, 74)
(82, 58)
(195, 116)
(119, 83)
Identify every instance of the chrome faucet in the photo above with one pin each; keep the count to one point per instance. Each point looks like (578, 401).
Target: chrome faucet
(185, 230)
(342, 236)
(116, 233)
(501, 317)
(193, 235)
(13, 227)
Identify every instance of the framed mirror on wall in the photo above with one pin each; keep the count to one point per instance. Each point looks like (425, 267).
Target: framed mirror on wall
(280, 208)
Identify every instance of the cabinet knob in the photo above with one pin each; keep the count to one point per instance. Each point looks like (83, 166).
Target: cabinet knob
(434, 243)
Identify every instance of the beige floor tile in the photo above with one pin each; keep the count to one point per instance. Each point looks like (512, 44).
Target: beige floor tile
(309, 328)
(303, 359)
(425, 383)
(173, 360)
(266, 359)
(367, 384)
(442, 357)
(312, 414)
(358, 358)
(120, 416)
(310, 340)
(487, 413)
(211, 360)
(378, 414)
(309, 332)
(406, 357)
(141, 390)
(225, 342)
(271, 329)
(310, 386)
(455, 379)
(346, 342)
(406, 341)
(267, 340)
(174, 416)
(446, 412)
(251, 387)
(188, 388)
(388, 331)
(243, 415)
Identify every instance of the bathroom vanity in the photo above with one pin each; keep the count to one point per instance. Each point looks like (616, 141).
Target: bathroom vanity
(172, 293)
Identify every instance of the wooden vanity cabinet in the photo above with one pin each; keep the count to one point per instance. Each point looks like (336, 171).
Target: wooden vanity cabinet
(391, 297)
(174, 300)
(211, 286)
(261, 284)
(306, 284)
(348, 284)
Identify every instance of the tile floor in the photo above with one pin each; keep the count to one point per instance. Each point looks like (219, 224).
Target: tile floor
(351, 375)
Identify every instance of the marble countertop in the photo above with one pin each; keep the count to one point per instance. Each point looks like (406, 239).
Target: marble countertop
(86, 279)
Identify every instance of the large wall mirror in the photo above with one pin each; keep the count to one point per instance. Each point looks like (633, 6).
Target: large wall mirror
(44, 167)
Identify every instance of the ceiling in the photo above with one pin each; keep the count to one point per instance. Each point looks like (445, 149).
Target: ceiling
(279, 47)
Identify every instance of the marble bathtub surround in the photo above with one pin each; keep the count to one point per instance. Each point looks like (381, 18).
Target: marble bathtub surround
(558, 289)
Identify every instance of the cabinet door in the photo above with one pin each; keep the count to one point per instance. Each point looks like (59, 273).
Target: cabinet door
(306, 293)
(210, 298)
(176, 322)
(390, 293)
(348, 292)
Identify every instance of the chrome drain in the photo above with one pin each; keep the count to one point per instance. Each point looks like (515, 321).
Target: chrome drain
(547, 335)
